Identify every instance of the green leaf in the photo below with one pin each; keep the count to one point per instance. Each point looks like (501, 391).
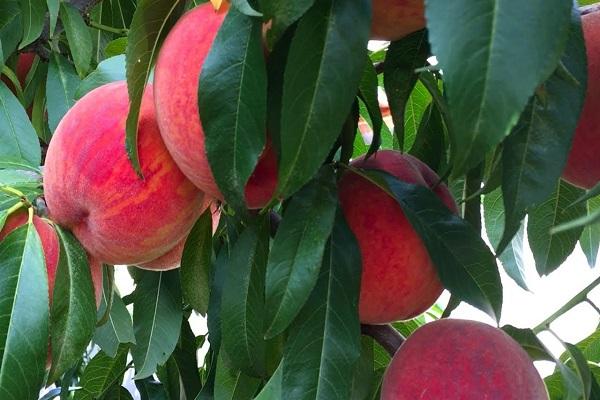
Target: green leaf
(23, 314)
(150, 25)
(417, 104)
(156, 320)
(323, 345)
(464, 263)
(243, 304)
(550, 251)
(101, 374)
(590, 237)
(33, 12)
(195, 264)
(61, 83)
(73, 312)
(272, 390)
(536, 151)
(581, 368)
(297, 252)
(364, 375)
(78, 36)
(150, 389)
(11, 27)
(244, 7)
(512, 257)
(487, 94)
(530, 343)
(19, 140)
(429, 145)
(53, 10)
(168, 374)
(184, 363)
(110, 70)
(232, 384)
(283, 13)
(232, 99)
(399, 77)
(118, 392)
(118, 329)
(323, 70)
(368, 92)
(116, 47)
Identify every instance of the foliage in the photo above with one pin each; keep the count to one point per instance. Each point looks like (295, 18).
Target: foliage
(280, 286)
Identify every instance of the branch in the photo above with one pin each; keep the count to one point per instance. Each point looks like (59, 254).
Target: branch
(385, 335)
(576, 300)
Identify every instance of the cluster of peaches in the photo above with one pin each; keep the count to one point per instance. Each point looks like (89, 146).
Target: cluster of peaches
(91, 188)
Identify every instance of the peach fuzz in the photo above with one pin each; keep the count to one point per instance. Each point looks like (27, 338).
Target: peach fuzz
(91, 187)
(399, 280)
(583, 164)
(176, 83)
(395, 19)
(460, 359)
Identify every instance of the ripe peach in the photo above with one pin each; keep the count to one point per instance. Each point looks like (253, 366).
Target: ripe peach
(399, 280)
(91, 187)
(459, 359)
(24, 63)
(394, 19)
(583, 164)
(172, 259)
(51, 248)
(176, 96)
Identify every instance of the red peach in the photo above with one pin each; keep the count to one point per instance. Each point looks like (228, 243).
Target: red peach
(91, 187)
(176, 94)
(459, 359)
(51, 248)
(394, 19)
(583, 164)
(399, 280)
(24, 63)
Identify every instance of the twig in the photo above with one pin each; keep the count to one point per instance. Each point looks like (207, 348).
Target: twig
(389, 338)
(576, 300)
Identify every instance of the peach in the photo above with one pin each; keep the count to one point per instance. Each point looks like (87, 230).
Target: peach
(399, 280)
(460, 359)
(176, 81)
(24, 63)
(394, 19)
(583, 164)
(91, 187)
(172, 259)
(51, 247)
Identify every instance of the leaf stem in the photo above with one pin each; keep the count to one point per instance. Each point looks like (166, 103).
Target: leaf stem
(472, 208)
(576, 300)
(389, 338)
(12, 191)
(111, 295)
(6, 71)
(107, 28)
(594, 306)
(15, 207)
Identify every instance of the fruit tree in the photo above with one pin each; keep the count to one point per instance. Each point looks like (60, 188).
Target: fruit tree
(307, 177)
